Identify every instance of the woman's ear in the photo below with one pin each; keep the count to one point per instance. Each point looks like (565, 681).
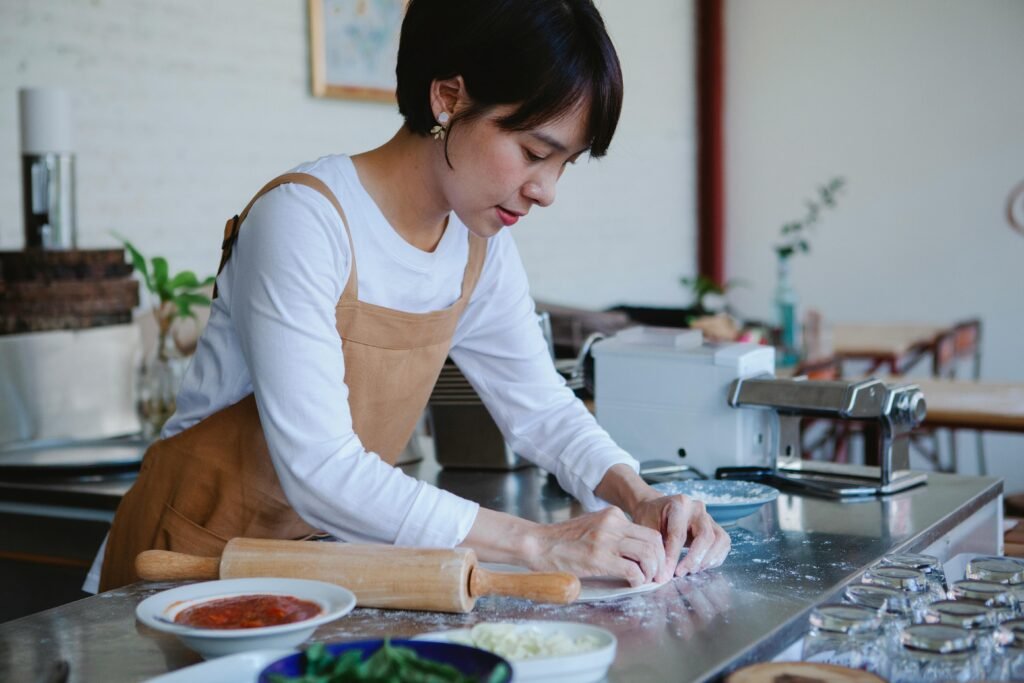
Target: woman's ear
(448, 95)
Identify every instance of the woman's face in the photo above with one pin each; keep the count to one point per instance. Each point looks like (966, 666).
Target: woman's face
(498, 176)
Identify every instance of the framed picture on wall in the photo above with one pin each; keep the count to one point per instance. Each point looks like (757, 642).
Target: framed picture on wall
(353, 47)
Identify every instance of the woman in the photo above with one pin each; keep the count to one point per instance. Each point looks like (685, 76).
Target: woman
(345, 284)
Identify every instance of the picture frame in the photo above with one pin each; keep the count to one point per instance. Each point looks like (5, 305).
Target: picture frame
(353, 48)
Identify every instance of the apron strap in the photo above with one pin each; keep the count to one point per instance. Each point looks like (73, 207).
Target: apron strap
(474, 266)
(234, 223)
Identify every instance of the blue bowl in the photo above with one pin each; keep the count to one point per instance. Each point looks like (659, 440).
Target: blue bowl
(726, 500)
(469, 661)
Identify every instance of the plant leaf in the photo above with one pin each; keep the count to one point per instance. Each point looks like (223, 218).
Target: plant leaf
(160, 277)
(185, 279)
(187, 300)
(193, 299)
(138, 262)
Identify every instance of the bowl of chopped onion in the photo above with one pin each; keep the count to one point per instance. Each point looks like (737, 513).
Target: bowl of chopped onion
(541, 651)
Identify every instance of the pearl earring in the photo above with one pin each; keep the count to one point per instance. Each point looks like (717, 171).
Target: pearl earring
(439, 130)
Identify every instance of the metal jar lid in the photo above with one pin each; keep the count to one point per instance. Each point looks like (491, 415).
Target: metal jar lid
(840, 618)
(937, 638)
(987, 592)
(900, 578)
(925, 563)
(878, 597)
(968, 615)
(1011, 633)
(996, 569)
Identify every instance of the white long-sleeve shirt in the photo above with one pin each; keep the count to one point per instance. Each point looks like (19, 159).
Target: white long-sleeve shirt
(272, 332)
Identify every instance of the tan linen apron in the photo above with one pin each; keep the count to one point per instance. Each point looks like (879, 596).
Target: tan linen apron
(215, 480)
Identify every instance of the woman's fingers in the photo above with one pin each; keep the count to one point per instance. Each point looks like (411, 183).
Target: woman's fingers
(702, 528)
(716, 556)
(675, 520)
(604, 543)
(650, 558)
(628, 570)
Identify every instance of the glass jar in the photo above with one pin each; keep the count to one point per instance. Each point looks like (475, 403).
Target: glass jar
(893, 605)
(1011, 650)
(1003, 570)
(910, 582)
(847, 635)
(978, 620)
(157, 382)
(1008, 571)
(935, 652)
(994, 595)
(928, 565)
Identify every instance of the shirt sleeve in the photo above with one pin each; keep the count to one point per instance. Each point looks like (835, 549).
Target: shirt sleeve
(287, 273)
(500, 348)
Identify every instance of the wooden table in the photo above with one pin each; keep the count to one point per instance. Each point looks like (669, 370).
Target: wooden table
(963, 404)
(895, 347)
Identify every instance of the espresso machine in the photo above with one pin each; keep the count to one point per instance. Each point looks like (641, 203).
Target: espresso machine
(685, 407)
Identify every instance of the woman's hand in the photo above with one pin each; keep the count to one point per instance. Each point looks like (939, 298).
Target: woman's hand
(607, 543)
(680, 521)
(683, 521)
(603, 543)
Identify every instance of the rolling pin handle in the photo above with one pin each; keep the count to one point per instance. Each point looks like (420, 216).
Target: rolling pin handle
(164, 565)
(554, 587)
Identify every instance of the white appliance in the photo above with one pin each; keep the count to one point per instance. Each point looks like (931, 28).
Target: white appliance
(663, 395)
(677, 403)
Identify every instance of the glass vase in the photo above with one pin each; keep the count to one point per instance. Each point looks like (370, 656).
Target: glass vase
(787, 318)
(157, 384)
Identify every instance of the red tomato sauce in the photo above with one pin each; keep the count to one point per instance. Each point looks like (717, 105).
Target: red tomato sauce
(248, 611)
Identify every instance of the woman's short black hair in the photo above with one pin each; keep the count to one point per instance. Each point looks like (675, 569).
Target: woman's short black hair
(545, 56)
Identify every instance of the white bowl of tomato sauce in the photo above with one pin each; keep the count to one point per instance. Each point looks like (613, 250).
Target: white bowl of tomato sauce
(217, 618)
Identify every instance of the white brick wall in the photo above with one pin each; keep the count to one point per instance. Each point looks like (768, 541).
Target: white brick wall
(184, 108)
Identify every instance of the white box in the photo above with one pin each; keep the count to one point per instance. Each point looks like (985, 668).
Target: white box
(663, 391)
(69, 384)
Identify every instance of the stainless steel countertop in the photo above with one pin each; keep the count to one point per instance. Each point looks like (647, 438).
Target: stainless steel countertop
(791, 555)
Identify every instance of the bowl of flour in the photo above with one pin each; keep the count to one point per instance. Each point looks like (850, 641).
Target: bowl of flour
(727, 501)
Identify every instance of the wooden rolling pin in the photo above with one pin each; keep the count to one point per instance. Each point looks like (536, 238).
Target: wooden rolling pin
(434, 580)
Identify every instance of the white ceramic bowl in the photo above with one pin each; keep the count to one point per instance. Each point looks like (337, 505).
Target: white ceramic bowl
(334, 602)
(585, 667)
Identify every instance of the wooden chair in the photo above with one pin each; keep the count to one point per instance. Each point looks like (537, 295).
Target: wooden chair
(966, 347)
(951, 350)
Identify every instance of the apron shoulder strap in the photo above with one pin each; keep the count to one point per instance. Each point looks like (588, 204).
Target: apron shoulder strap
(234, 223)
(474, 266)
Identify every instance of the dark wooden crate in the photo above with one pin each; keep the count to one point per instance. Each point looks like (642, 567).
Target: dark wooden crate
(65, 290)
(70, 264)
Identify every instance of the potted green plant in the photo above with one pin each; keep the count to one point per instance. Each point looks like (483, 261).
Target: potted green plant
(794, 237)
(701, 287)
(173, 298)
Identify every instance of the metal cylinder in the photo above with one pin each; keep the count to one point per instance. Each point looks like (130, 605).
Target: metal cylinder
(47, 168)
(48, 182)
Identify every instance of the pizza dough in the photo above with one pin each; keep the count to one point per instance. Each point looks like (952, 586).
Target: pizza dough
(593, 589)
(607, 588)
